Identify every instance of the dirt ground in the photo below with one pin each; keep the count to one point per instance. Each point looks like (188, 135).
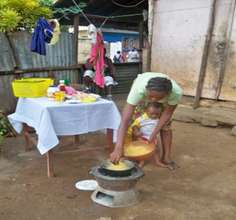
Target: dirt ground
(202, 188)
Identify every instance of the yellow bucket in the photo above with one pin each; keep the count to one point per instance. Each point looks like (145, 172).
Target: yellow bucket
(31, 87)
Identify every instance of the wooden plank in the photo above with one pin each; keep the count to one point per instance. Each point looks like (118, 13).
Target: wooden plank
(151, 5)
(205, 55)
(226, 51)
(41, 69)
(76, 37)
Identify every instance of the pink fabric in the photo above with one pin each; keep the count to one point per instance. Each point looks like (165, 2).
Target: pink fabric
(97, 58)
(70, 90)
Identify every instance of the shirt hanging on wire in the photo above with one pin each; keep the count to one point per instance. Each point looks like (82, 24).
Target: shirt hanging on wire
(43, 34)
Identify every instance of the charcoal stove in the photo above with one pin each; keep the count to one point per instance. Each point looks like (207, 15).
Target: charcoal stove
(116, 191)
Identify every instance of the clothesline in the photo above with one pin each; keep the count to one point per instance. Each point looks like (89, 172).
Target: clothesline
(77, 9)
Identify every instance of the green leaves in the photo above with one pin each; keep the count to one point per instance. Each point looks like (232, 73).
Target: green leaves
(15, 14)
(9, 19)
(4, 126)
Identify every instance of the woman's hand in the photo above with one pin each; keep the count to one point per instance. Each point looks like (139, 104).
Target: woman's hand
(126, 116)
(116, 155)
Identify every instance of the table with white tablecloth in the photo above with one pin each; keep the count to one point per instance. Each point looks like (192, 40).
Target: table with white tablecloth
(51, 119)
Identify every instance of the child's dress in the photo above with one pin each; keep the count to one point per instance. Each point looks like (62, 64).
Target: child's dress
(146, 126)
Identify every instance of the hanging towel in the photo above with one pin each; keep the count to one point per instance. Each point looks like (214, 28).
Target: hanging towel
(43, 33)
(56, 31)
(92, 33)
(97, 58)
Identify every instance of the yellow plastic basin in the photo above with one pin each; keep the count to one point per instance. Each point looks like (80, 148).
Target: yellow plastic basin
(31, 87)
(139, 150)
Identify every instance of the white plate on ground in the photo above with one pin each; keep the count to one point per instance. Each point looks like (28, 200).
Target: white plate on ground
(86, 185)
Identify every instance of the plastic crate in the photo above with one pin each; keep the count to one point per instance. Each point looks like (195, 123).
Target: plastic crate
(31, 87)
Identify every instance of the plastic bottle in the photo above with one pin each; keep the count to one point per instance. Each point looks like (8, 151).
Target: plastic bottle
(62, 86)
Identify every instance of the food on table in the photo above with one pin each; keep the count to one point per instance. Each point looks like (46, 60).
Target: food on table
(84, 97)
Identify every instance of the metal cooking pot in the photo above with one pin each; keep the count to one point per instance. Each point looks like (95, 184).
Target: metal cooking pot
(106, 170)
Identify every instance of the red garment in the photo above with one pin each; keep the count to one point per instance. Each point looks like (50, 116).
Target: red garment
(97, 58)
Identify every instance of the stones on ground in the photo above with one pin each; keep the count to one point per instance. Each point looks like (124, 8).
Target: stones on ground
(209, 122)
(233, 131)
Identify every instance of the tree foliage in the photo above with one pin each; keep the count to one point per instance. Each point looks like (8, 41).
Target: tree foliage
(15, 14)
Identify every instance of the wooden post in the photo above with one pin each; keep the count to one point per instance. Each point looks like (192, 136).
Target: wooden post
(141, 45)
(110, 140)
(76, 140)
(26, 137)
(206, 48)
(50, 171)
(76, 37)
(226, 51)
(150, 32)
(141, 34)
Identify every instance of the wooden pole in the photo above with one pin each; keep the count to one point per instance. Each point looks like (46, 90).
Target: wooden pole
(141, 45)
(206, 48)
(226, 51)
(50, 171)
(40, 69)
(76, 37)
(109, 136)
(150, 32)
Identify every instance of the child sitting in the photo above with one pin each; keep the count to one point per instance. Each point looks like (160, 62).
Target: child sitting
(143, 126)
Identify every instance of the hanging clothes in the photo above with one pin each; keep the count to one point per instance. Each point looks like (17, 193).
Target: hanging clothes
(97, 58)
(56, 31)
(92, 33)
(43, 34)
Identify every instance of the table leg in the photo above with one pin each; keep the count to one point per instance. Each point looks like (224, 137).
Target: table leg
(26, 137)
(76, 140)
(110, 139)
(49, 155)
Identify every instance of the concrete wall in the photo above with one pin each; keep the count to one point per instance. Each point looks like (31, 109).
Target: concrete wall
(180, 28)
(228, 91)
(216, 54)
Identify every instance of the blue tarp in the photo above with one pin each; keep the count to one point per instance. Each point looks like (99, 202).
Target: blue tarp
(114, 37)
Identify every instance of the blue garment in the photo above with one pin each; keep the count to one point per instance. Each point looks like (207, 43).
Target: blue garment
(43, 33)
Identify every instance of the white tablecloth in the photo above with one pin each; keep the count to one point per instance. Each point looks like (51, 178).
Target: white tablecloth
(51, 119)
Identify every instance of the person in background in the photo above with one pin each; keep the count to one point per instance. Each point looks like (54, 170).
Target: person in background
(118, 57)
(88, 77)
(109, 76)
(154, 87)
(133, 55)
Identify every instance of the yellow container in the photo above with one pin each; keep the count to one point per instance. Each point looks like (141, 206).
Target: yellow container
(31, 87)
(59, 96)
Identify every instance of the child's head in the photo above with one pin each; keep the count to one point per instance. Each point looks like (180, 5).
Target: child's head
(153, 110)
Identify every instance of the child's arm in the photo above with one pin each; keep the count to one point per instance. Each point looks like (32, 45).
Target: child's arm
(136, 132)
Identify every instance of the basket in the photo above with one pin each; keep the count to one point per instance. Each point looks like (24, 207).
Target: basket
(31, 87)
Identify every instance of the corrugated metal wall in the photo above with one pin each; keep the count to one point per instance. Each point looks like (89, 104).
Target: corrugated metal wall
(125, 74)
(60, 54)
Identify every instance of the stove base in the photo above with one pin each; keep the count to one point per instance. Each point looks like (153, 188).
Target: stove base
(115, 199)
